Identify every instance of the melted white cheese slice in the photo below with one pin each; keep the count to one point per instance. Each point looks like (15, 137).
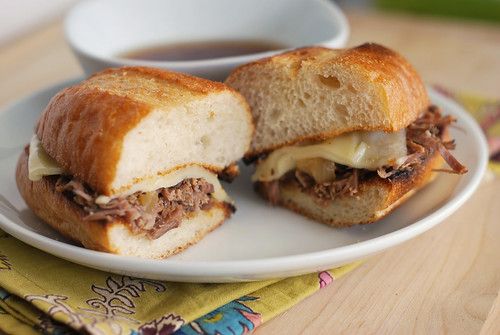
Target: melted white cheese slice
(171, 179)
(362, 150)
(41, 164)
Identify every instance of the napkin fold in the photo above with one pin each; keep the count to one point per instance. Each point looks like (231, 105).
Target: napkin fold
(40, 293)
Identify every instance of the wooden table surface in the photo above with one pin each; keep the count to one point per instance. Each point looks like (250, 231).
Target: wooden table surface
(445, 281)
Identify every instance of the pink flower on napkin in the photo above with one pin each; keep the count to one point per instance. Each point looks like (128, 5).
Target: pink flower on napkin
(325, 278)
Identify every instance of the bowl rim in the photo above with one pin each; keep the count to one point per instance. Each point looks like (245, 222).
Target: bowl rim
(338, 40)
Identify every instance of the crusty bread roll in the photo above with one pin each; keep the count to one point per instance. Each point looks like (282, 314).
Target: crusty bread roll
(342, 136)
(316, 93)
(137, 153)
(125, 125)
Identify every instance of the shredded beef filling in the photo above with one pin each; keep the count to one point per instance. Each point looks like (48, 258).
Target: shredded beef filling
(152, 213)
(424, 137)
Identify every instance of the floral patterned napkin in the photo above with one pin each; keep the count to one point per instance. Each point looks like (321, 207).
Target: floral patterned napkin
(40, 293)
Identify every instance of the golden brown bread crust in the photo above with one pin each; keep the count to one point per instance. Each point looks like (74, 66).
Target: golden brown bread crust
(191, 84)
(392, 193)
(83, 126)
(405, 94)
(84, 140)
(66, 216)
(56, 210)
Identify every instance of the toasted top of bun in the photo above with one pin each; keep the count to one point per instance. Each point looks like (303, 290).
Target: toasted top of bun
(317, 93)
(124, 125)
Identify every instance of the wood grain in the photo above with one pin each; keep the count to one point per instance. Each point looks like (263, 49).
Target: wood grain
(460, 55)
(445, 281)
(35, 61)
(492, 324)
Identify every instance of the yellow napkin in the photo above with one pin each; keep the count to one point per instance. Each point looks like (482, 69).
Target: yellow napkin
(40, 293)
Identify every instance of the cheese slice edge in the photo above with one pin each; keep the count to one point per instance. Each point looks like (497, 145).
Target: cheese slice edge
(362, 150)
(40, 164)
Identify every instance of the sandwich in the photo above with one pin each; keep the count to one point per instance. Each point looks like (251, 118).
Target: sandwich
(129, 160)
(342, 136)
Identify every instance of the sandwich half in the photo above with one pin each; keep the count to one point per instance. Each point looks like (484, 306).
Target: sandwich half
(129, 160)
(342, 136)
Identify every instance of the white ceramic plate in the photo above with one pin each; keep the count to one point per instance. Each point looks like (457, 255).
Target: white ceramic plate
(259, 242)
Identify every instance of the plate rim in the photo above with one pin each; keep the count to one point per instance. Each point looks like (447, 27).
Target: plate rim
(261, 268)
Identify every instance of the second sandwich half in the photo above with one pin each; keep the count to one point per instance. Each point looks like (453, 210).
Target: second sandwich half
(342, 136)
(129, 160)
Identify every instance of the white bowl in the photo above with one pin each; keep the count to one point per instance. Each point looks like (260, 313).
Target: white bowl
(100, 30)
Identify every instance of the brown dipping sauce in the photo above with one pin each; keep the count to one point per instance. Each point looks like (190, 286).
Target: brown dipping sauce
(201, 50)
